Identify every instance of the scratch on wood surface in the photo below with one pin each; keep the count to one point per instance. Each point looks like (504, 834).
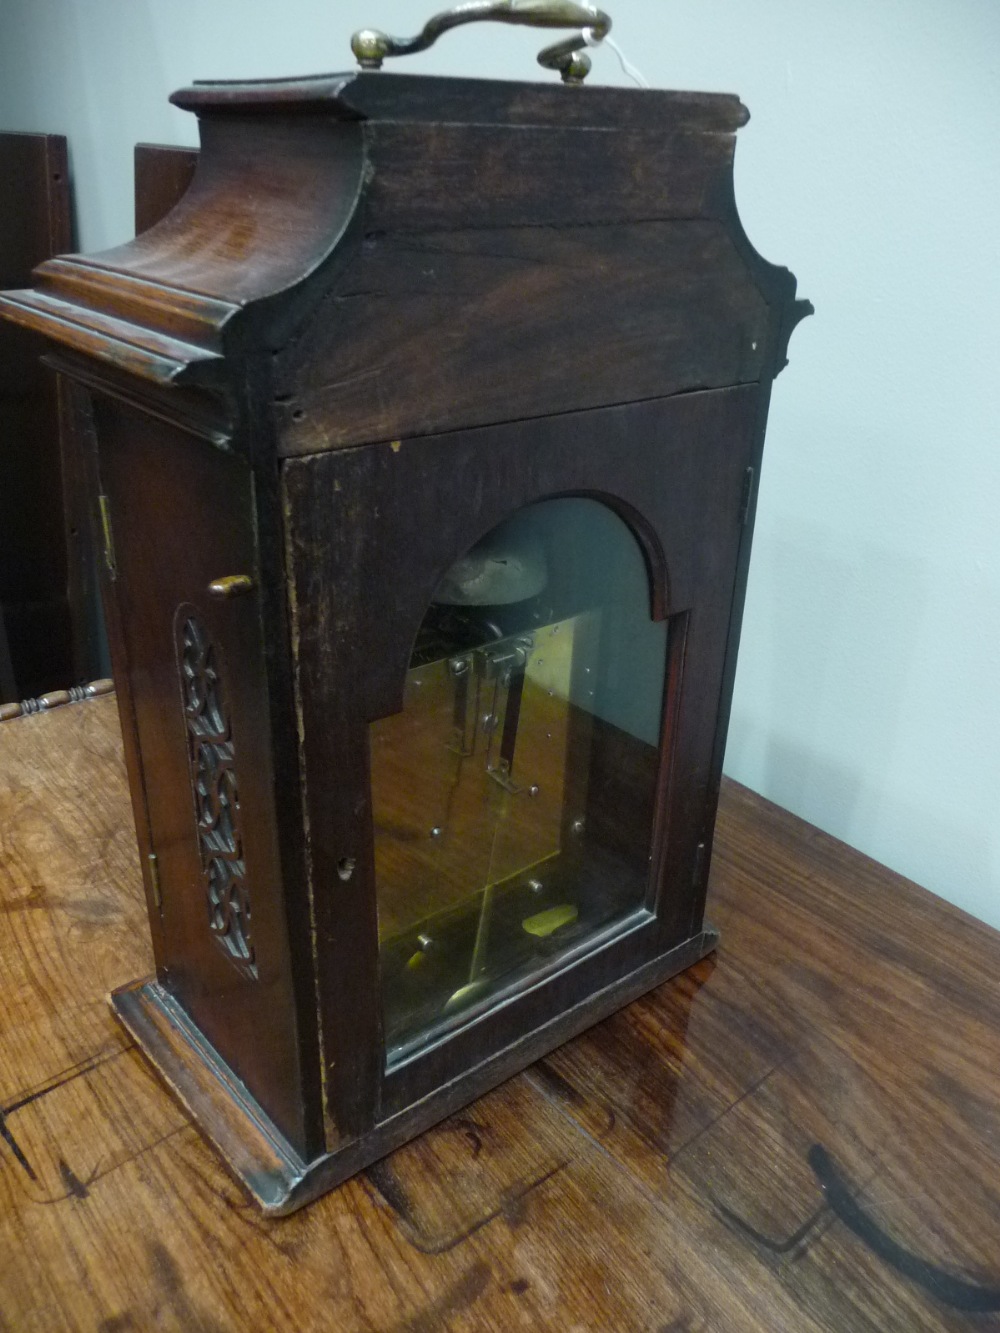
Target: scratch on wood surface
(67, 1076)
(15, 1148)
(511, 1207)
(709, 1124)
(455, 1300)
(799, 1238)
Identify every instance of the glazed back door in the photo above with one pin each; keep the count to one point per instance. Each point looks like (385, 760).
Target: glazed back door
(512, 645)
(513, 795)
(179, 516)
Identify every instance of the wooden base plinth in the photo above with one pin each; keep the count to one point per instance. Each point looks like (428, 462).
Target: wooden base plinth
(258, 1154)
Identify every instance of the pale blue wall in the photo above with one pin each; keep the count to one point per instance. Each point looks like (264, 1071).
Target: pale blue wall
(867, 694)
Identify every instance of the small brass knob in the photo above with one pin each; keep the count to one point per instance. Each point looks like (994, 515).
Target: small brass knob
(370, 48)
(575, 68)
(232, 585)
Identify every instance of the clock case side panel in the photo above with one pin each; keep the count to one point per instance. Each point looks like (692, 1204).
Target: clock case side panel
(785, 311)
(154, 329)
(206, 778)
(290, 1089)
(372, 530)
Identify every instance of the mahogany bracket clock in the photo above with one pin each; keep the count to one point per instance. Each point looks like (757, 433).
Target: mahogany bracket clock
(427, 428)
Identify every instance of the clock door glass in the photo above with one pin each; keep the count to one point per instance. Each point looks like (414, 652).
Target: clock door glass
(513, 795)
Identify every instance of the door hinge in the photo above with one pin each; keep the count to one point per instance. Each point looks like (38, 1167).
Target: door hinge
(747, 496)
(108, 537)
(154, 880)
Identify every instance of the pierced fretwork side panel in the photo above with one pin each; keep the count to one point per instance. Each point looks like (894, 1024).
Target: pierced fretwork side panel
(216, 798)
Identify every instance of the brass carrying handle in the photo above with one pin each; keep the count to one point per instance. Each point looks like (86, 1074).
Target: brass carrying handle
(371, 46)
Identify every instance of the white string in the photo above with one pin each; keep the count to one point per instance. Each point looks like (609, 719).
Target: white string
(628, 68)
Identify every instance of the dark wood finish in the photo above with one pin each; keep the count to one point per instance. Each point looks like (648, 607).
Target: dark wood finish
(795, 1136)
(159, 484)
(47, 597)
(605, 303)
(8, 685)
(503, 292)
(613, 245)
(163, 173)
(83, 586)
(420, 99)
(675, 468)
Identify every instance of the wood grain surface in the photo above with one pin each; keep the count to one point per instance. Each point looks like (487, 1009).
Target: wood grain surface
(800, 1134)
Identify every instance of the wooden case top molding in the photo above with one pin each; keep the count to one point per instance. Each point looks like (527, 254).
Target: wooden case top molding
(365, 234)
(419, 98)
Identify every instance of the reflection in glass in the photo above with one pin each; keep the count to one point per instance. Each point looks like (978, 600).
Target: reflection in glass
(513, 795)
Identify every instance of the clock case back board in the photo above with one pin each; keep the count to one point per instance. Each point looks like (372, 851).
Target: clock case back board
(389, 313)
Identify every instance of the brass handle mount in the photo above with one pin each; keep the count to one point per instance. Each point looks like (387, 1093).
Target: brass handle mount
(371, 47)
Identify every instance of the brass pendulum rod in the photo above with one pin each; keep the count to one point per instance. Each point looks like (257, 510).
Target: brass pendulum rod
(507, 674)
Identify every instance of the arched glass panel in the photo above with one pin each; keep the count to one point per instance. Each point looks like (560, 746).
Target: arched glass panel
(514, 794)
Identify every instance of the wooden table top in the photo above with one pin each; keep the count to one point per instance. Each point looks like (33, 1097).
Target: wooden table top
(801, 1133)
